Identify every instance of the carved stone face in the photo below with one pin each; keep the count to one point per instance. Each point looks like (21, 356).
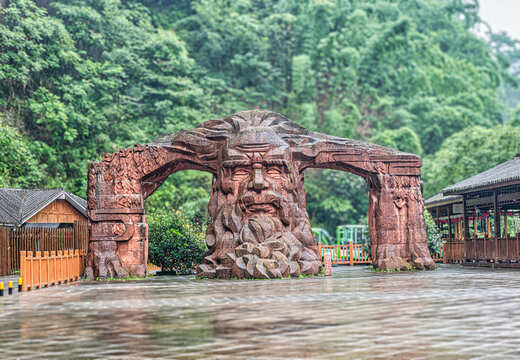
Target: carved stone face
(258, 228)
(258, 175)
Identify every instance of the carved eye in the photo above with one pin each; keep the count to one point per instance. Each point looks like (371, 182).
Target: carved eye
(240, 172)
(274, 172)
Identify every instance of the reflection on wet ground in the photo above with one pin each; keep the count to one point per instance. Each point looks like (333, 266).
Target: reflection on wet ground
(451, 313)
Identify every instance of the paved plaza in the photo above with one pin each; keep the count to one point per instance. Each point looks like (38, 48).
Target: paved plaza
(451, 313)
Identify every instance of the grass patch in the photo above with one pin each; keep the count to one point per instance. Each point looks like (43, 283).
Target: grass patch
(406, 269)
(120, 279)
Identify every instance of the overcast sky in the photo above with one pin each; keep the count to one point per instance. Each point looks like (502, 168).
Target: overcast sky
(502, 15)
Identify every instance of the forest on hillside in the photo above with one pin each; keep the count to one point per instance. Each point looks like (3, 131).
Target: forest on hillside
(80, 78)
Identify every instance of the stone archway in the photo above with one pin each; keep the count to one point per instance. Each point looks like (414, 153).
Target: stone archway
(259, 225)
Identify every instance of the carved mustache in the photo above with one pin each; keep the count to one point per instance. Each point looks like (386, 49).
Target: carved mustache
(269, 197)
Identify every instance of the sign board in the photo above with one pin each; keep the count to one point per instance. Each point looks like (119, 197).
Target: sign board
(327, 263)
(458, 208)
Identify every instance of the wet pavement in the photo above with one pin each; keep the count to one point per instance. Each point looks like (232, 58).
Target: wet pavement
(451, 313)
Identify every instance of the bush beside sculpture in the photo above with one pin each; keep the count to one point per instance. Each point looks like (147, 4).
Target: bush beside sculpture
(432, 234)
(176, 244)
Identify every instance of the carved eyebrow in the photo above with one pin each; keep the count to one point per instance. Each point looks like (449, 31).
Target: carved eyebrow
(233, 163)
(280, 162)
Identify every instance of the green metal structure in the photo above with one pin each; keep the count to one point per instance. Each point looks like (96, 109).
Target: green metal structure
(357, 234)
(323, 236)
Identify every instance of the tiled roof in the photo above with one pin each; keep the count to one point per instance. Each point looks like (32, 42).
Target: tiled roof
(440, 199)
(505, 172)
(19, 205)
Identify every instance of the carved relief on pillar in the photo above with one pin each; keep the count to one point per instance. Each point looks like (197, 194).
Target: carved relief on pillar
(397, 227)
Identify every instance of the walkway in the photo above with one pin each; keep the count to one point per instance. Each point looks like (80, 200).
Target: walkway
(451, 313)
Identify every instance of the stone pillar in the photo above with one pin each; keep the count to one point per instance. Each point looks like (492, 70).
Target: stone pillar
(396, 222)
(118, 244)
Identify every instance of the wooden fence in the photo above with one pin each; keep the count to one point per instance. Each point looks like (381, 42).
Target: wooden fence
(5, 260)
(502, 249)
(352, 254)
(485, 249)
(15, 240)
(455, 251)
(46, 269)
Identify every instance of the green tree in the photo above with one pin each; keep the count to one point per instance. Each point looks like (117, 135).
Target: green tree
(175, 243)
(468, 153)
(18, 165)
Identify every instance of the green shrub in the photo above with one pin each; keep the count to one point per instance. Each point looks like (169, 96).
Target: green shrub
(432, 233)
(175, 243)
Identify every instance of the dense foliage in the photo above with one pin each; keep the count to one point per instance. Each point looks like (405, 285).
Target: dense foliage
(174, 242)
(468, 153)
(79, 78)
(432, 234)
(18, 167)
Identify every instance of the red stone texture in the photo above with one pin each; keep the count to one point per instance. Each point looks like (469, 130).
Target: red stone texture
(259, 225)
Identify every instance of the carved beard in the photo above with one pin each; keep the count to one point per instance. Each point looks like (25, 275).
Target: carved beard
(261, 236)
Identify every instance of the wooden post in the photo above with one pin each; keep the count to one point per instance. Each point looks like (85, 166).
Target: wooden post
(449, 223)
(517, 246)
(30, 265)
(23, 270)
(465, 218)
(53, 267)
(45, 277)
(319, 251)
(488, 221)
(351, 249)
(485, 246)
(475, 232)
(466, 226)
(497, 221)
(327, 264)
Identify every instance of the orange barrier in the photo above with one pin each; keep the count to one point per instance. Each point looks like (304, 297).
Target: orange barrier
(50, 269)
(14, 240)
(152, 267)
(439, 256)
(346, 254)
(352, 254)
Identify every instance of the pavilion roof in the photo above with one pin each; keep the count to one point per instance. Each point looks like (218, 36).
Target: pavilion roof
(440, 199)
(494, 177)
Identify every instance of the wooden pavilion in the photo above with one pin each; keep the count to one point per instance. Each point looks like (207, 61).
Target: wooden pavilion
(479, 217)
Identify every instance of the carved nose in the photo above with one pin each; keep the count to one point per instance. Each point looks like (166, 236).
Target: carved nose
(258, 180)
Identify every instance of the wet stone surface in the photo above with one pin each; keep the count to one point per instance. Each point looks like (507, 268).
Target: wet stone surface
(451, 313)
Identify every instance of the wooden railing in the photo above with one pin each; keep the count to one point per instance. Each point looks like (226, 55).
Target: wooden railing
(352, 254)
(15, 240)
(47, 269)
(502, 249)
(454, 251)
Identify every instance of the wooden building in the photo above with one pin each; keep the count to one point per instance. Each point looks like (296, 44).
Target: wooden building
(479, 217)
(51, 208)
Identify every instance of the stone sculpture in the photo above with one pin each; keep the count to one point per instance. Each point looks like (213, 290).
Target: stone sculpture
(259, 225)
